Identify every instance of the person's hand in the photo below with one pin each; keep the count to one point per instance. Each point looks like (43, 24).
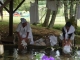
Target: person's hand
(68, 42)
(20, 38)
(64, 42)
(27, 40)
(64, 39)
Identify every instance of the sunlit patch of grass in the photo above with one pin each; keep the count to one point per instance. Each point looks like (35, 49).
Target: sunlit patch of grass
(37, 25)
(58, 26)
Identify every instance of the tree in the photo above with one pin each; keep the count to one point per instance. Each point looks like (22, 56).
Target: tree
(70, 6)
(45, 24)
(25, 6)
(54, 13)
(69, 13)
(15, 3)
(66, 10)
(72, 13)
(52, 19)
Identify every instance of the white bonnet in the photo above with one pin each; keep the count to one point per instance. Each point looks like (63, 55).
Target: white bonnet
(23, 20)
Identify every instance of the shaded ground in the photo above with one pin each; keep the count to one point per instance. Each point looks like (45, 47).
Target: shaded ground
(42, 31)
(38, 32)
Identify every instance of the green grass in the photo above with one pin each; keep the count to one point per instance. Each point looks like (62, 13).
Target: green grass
(58, 26)
(59, 23)
(15, 19)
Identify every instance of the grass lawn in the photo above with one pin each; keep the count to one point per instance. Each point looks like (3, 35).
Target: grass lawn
(59, 20)
(15, 19)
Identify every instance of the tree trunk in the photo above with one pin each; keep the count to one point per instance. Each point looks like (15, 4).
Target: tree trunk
(52, 19)
(45, 24)
(66, 10)
(73, 20)
(71, 9)
(54, 13)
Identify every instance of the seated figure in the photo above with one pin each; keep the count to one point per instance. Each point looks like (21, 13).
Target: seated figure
(24, 34)
(67, 35)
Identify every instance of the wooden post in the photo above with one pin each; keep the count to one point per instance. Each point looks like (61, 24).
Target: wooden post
(1, 49)
(10, 11)
(11, 18)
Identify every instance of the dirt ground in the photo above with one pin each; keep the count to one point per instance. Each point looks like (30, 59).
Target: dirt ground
(38, 32)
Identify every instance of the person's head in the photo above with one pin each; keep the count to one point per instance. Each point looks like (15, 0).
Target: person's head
(47, 51)
(23, 21)
(67, 25)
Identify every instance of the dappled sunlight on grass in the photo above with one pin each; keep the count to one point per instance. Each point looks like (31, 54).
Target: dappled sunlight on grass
(15, 19)
(59, 23)
(59, 20)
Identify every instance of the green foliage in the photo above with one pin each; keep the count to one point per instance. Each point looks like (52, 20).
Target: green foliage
(26, 5)
(37, 25)
(42, 2)
(16, 3)
(59, 27)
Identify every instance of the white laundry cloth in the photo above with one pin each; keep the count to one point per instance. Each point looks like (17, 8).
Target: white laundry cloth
(34, 15)
(24, 44)
(67, 49)
(78, 11)
(40, 42)
(53, 40)
(51, 5)
(15, 53)
(78, 53)
(57, 53)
